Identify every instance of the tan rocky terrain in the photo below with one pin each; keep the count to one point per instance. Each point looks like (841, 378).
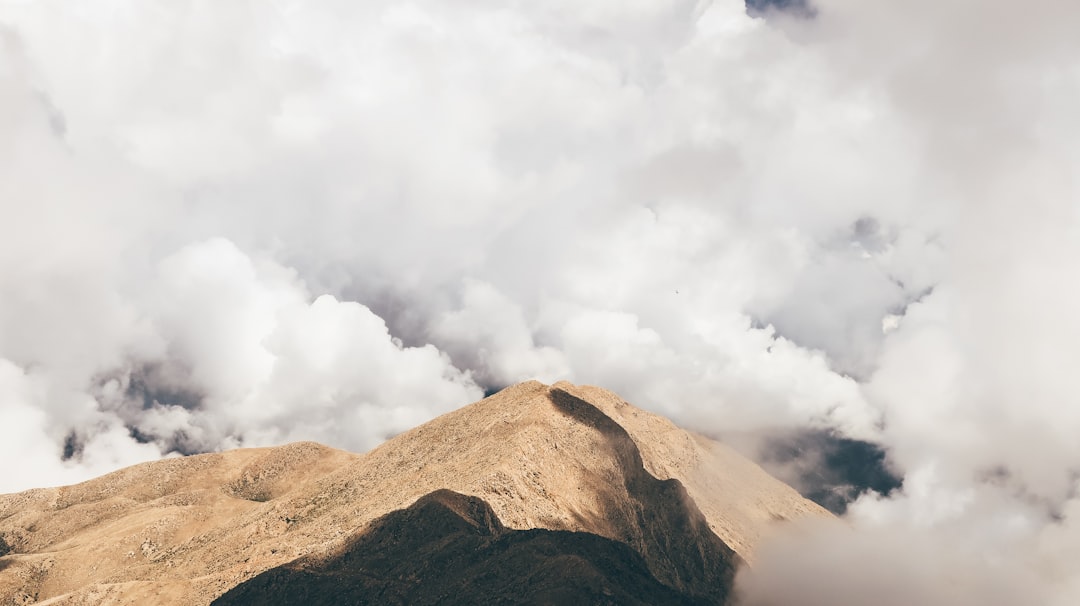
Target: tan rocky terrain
(487, 482)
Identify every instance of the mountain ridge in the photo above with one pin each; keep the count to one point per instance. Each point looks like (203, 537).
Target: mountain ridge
(561, 458)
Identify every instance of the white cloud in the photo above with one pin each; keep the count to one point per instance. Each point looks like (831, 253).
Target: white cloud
(489, 333)
(270, 366)
(29, 445)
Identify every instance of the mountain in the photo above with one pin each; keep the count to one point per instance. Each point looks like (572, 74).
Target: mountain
(538, 494)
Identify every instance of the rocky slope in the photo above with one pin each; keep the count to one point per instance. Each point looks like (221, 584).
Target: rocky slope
(539, 490)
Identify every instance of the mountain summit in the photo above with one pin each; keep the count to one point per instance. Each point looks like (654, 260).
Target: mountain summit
(537, 494)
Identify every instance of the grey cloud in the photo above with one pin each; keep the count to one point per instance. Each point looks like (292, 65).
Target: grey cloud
(839, 566)
(760, 8)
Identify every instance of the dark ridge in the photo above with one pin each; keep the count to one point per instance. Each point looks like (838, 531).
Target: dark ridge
(449, 548)
(490, 390)
(73, 446)
(4, 547)
(828, 469)
(799, 8)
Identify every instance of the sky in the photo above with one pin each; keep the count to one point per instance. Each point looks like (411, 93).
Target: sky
(229, 224)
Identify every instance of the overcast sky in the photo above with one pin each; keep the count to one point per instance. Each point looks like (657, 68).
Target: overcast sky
(229, 223)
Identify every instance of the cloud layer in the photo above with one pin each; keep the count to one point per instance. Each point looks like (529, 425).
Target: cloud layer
(233, 224)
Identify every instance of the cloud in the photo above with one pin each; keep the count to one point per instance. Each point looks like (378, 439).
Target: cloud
(29, 435)
(249, 223)
(263, 363)
(841, 565)
(489, 333)
(970, 546)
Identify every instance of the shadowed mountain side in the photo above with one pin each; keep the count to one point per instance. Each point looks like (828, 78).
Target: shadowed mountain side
(449, 548)
(659, 520)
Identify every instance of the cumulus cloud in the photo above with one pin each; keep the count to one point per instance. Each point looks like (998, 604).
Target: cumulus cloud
(489, 333)
(244, 223)
(248, 357)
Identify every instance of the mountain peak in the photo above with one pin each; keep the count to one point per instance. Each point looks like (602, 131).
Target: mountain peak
(563, 458)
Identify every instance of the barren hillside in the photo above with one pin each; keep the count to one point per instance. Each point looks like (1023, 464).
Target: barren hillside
(611, 479)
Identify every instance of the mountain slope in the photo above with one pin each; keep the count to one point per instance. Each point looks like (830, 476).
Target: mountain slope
(561, 458)
(449, 548)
